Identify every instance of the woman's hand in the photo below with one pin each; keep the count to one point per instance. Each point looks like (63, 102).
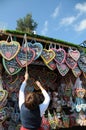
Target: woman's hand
(26, 76)
(39, 85)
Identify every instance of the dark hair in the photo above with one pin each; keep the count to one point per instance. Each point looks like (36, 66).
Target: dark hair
(31, 100)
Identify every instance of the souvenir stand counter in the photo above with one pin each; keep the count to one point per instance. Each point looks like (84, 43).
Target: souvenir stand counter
(59, 66)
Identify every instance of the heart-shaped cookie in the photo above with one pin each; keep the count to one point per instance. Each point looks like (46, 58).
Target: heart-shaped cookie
(76, 71)
(75, 54)
(70, 62)
(47, 55)
(9, 50)
(25, 56)
(80, 92)
(63, 69)
(51, 65)
(37, 47)
(13, 86)
(12, 67)
(82, 66)
(60, 55)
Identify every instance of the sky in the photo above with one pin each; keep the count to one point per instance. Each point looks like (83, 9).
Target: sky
(60, 19)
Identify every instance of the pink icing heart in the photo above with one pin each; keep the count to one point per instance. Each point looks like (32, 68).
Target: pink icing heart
(11, 70)
(8, 54)
(75, 54)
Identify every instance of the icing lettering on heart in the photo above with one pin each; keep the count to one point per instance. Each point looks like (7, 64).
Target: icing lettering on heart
(21, 57)
(47, 55)
(60, 55)
(75, 54)
(9, 50)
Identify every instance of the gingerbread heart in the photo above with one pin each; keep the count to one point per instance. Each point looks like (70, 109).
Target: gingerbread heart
(83, 57)
(51, 65)
(76, 71)
(23, 58)
(12, 67)
(70, 62)
(37, 47)
(47, 55)
(13, 86)
(63, 69)
(9, 50)
(80, 92)
(82, 66)
(60, 55)
(75, 54)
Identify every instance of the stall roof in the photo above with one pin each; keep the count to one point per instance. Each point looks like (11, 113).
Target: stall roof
(38, 38)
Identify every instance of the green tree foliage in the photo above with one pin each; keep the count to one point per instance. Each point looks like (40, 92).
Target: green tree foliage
(26, 24)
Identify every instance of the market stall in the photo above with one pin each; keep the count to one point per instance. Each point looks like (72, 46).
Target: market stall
(58, 65)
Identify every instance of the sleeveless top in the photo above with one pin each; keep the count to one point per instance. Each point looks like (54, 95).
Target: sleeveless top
(30, 119)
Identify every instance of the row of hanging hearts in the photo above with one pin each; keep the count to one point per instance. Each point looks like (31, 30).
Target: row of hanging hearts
(16, 56)
(63, 61)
